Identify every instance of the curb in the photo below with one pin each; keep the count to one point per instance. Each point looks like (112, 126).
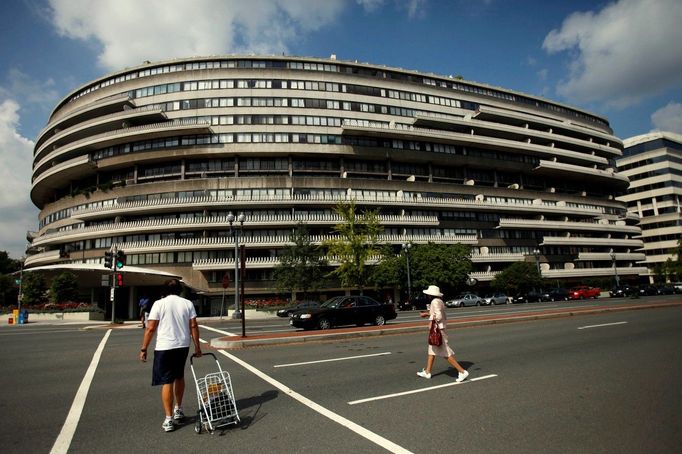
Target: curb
(236, 342)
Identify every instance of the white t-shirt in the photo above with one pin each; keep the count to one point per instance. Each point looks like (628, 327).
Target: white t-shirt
(173, 314)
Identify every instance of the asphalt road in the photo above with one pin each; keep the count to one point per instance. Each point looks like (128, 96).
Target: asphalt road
(541, 386)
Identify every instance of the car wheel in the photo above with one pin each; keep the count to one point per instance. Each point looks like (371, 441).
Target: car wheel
(379, 320)
(478, 303)
(414, 308)
(324, 324)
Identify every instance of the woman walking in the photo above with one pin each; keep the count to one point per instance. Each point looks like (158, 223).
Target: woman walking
(436, 314)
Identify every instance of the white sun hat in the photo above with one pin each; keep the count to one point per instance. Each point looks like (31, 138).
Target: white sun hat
(433, 290)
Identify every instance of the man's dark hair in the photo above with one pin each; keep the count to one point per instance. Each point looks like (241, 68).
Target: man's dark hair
(172, 287)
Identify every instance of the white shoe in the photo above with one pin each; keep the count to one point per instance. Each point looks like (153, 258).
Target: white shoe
(462, 376)
(422, 373)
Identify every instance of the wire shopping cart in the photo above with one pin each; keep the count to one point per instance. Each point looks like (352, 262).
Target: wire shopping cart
(215, 398)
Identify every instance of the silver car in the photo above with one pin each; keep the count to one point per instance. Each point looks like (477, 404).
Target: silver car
(495, 298)
(466, 299)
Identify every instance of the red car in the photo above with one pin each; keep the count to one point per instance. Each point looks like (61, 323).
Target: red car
(582, 292)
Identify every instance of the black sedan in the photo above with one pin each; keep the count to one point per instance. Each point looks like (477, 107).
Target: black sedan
(344, 310)
(531, 296)
(287, 311)
(623, 291)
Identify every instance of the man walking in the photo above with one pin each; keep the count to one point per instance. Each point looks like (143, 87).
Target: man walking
(174, 321)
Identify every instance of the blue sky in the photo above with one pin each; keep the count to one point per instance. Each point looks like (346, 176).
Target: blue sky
(621, 59)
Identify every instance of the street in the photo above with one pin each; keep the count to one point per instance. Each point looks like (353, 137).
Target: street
(599, 383)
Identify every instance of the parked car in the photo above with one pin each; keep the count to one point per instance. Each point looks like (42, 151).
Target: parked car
(531, 296)
(556, 294)
(665, 289)
(344, 310)
(581, 292)
(648, 290)
(677, 286)
(416, 302)
(495, 298)
(465, 299)
(623, 291)
(287, 311)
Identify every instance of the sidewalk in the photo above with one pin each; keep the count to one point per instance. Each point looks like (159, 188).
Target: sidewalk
(236, 342)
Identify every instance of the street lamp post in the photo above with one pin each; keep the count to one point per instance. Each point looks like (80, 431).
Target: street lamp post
(406, 248)
(536, 253)
(615, 268)
(235, 231)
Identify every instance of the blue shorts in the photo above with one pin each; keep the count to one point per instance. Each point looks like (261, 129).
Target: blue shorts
(169, 365)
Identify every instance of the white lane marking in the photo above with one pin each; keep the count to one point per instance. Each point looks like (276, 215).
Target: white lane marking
(61, 445)
(604, 324)
(371, 436)
(203, 341)
(420, 390)
(217, 330)
(332, 359)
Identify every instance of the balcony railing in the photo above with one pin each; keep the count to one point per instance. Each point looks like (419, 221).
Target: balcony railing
(144, 206)
(275, 241)
(221, 221)
(586, 241)
(617, 226)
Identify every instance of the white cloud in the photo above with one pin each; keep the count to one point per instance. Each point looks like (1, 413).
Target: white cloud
(18, 213)
(29, 90)
(131, 31)
(370, 5)
(621, 54)
(668, 118)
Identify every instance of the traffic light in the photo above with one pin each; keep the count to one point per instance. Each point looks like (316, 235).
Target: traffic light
(119, 280)
(120, 259)
(108, 259)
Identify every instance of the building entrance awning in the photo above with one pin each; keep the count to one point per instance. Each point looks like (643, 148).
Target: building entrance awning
(90, 274)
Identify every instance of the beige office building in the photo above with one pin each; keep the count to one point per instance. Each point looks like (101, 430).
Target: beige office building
(154, 158)
(653, 163)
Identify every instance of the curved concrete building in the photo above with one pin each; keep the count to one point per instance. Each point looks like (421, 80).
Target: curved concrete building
(154, 158)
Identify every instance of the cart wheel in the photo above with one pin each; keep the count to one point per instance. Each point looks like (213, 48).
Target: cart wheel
(198, 425)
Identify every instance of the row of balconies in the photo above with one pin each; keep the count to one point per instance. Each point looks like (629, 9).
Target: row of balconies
(122, 228)
(139, 113)
(411, 132)
(148, 206)
(518, 133)
(570, 273)
(118, 136)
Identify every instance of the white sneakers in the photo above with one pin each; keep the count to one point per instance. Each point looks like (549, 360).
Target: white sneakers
(424, 374)
(460, 377)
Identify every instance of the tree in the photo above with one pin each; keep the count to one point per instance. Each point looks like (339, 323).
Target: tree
(357, 241)
(33, 288)
(445, 265)
(7, 264)
(8, 290)
(517, 278)
(64, 288)
(390, 271)
(301, 265)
